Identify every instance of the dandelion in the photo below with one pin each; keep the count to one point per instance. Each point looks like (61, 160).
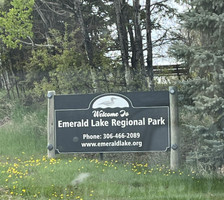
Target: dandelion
(15, 165)
(44, 158)
(23, 190)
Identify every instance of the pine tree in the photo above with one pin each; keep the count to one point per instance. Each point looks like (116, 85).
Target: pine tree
(205, 59)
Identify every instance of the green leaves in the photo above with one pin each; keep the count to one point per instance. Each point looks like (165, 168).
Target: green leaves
(16, 23)
(203, 52)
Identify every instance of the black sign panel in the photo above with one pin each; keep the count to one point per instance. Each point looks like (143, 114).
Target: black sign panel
(112, 122)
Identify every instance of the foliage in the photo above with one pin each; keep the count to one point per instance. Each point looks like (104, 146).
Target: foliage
(65, 69)
(204, 91)
(46, 46)
(16, 23)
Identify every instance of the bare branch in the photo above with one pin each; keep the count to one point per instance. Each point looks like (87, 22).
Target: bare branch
(69, 9)
(41, 14)
(160, 3)
(31, 43)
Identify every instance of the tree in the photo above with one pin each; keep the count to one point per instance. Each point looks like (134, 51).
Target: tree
(123, 38)
(16, 24)
(41, 24)
(133, 43)
(91, 19)
(149, 45)
(205, 59)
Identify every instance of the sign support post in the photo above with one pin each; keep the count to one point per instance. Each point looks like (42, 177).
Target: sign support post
(50, 125)
(174, 154)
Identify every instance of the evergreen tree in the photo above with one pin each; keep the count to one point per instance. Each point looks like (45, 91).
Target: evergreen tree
(205, 59)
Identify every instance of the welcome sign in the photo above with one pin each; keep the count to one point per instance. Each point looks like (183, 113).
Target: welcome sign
(114, 122)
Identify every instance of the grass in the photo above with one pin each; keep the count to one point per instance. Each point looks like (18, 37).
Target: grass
(26, 172)
(25, 132)
(42, 178)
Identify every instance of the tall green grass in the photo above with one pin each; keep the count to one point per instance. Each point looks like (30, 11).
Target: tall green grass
(25, 131)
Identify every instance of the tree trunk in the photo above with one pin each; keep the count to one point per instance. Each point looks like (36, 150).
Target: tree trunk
(133, 48)
(13, 75)
(87, 44)
(122, 34)
(5, 83)
(138, 42)
(138, 37)
(149, 67)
